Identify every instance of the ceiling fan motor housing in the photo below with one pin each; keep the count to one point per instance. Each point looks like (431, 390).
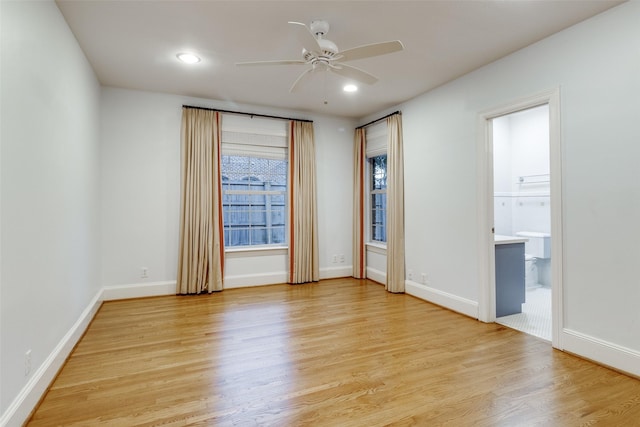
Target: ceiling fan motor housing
(319, 27)
(329, 48)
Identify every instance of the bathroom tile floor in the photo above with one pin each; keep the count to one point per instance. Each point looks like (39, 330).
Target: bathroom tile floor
(535, 318)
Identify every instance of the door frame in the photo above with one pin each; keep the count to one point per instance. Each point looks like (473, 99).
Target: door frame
(486, 247)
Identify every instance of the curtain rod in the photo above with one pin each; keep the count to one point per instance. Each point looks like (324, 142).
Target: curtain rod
(377, 120)
(246, 114)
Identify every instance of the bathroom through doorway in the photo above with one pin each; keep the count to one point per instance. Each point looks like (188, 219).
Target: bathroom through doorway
(522, 220)
(522, 181)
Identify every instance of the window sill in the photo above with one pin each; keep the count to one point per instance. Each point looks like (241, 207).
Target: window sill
(375, 247)
(249, 251)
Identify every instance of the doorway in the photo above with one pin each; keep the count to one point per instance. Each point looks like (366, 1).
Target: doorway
(522, 220)
(520, 205)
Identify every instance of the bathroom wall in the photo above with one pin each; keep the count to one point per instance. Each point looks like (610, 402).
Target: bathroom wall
(521, 172)
(502, 177)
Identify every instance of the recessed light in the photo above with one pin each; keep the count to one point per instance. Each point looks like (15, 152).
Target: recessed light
(350, 88)
(188, 58)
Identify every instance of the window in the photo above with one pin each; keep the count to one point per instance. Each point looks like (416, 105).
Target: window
(254, 191)
(254, 181)
(376, 152)
(378, 196)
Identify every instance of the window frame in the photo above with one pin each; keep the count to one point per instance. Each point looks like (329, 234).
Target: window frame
(376, 141)
(255, 139)
(371, 192)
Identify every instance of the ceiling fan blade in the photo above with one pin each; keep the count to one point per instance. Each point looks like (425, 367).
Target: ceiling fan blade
(295, 84)
(305, 37)
(276, 62)
(370, 50)
(354, 73)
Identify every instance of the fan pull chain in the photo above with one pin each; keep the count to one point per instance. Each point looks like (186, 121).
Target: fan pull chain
(324, 81)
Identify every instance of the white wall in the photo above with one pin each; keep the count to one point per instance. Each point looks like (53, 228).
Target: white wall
(376, 263)
(502, 177)
(521, 149)
(596, 64)
(529, 132)
(49, 193)
(140, 191)
(334, 168)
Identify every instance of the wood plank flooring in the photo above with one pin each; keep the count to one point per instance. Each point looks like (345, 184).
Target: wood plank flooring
(341, 352)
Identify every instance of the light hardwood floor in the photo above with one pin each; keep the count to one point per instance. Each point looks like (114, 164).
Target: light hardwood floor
(341, 352)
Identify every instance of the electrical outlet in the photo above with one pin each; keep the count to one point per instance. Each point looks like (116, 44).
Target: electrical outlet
(144, 272)
(342, 258)
(410, 274)
(27, 363)
(335, 258)
(424, 278)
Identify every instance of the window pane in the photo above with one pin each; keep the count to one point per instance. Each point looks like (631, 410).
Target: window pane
(259, 236)
(252, 213)
(378, 199)
(277, 235)
(238, 237)
(379, 217)
(277, 214)
(378, 172)
(235, 167)
(258, 217)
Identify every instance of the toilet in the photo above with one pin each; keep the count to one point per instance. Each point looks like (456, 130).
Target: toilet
(537, 247)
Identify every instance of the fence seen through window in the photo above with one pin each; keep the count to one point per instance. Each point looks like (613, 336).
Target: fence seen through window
(254, 192)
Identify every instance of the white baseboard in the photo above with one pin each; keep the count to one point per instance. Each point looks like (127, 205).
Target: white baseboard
(336, 272)
(138, 290)
(141, 290)
(376, 275)
(443, 299)
(247, 280)
(612, 355)
(21, 407)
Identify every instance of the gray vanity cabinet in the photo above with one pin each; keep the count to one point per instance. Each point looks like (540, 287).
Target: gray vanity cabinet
(510, 280)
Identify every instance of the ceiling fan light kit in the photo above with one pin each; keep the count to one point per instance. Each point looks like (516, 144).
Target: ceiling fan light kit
(323, 54)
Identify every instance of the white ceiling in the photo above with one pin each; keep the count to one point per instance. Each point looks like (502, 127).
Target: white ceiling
(132, 44)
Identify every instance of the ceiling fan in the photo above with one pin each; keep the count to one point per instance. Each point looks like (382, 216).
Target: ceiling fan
(323, 54)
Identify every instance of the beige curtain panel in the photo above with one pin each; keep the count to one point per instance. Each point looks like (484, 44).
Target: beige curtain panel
(359, 180)
(395, 206)
(201, 258)
(303, 224)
